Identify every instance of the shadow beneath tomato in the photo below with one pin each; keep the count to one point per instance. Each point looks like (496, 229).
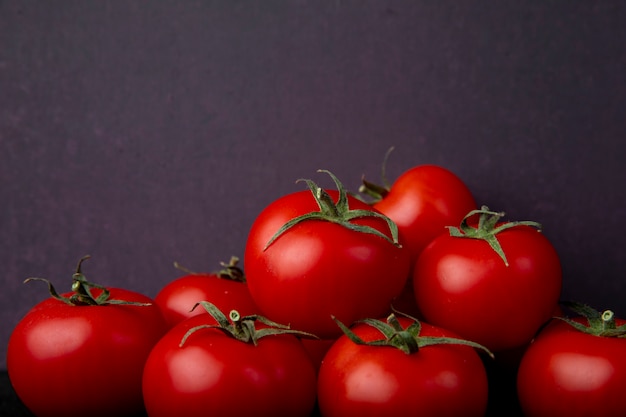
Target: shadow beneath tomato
(502, 376)
(10, 404)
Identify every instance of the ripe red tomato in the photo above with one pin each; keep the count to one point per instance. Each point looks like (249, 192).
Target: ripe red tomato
(317, 348)
(422, 202)
(215, 374)
(77, 360)
(318, 268)
(437, 380)
(567, 372)
(226, 289)
(463, 284)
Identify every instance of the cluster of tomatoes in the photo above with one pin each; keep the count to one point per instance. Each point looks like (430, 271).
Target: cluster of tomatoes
(390, 304)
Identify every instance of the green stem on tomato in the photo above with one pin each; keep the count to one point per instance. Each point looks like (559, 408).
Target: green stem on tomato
(231, 270)
(240, 327)
(598, 323)
(488, 228)
(81, 287)
(374, 191)
(407, 340)
(339, 213)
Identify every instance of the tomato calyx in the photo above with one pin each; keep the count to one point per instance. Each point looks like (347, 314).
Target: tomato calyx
(598, 323)
(230, 271)
(339, 213)
(81, 287)
(487, 228)
(374, 191)
(407, 340)
(242, 328)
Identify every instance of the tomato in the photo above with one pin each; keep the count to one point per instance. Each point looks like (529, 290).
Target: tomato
(436, 380)
(317, 348)
(422, 202)
(463, 284)
(214, 373)
(77, 360)
(568, 372)
(226, 289)
(319, 267)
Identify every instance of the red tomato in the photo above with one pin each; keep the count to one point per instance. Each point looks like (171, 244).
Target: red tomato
(317, 348)
(566, 372)
(319, 268)
(437, 380)
(77, 360)
(218, 375)
(462, 284)
(422, 202)
(226, 289)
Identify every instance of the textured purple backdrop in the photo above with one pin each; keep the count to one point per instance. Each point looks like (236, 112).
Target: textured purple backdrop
(145, 133)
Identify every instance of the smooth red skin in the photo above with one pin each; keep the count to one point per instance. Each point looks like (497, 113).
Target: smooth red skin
(216, 375)
(565, 372)
(177, 298)
(440, 380)
(463, 285)
(318, 268)
(317, 348)
(423, 201)
(83, 360)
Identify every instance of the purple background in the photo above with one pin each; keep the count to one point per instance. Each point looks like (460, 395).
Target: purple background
(148, 132)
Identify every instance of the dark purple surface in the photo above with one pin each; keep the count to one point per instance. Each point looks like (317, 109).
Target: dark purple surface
(145, 133)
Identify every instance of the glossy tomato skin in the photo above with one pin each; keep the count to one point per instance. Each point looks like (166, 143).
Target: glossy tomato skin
(216, 375)
(463, 285)
(439, 380)
(565, 372)
(83, 360)
(177, 298)
(317, 348)
(319, 268)
(423, 201)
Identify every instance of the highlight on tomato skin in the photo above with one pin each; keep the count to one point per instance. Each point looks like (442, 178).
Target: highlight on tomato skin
(422, 201)
(490, 281)
(82, 352)
(209, 366)
(227, 288)
(322, 262)
(576, 367)
(313, 254)
(369, 379)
